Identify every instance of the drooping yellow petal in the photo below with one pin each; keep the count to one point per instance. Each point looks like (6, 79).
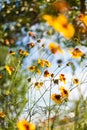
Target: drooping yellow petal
(9, 69)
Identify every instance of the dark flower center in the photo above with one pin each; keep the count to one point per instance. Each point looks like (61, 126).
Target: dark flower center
(65, 92)
(26, 126)
(57, 97)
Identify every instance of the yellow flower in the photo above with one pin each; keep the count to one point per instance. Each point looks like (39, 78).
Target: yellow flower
(24, 125)
(11, 52)
(2, 114)
(47, 63)
(64, 92)
(23, 53)
(54, 48)
(38, 85)
(44, 63)
(32, 68)
(83, 18)
(9, 69)
(56, 98)
(0, 76)
(61, 25)
(75, 81)
(38, 71)
(62, 78)
(41, 62)
(32, 34)
(77, 53)
(30, 45)
(46, 73)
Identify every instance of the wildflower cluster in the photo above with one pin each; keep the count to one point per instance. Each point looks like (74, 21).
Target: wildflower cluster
(37, 80)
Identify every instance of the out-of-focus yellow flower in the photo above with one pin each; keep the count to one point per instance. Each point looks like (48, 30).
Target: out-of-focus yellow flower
(32, 34)
(30, 45)
(61, 25)
(56, 98)
(75, 81)
(54, 48)
(32, 68)
(9, 69)
(38, 85)
(46, 73)
(2, 115)
(11, 52)
(62, 78)
(23, 53)
(7, 92)
(61, 5)
(26, 53)
(43, 63)
(38, 71)
(76, 53)
(83, 18)
(0, 76)
(64, 92)
(24, 125)
(47, 63)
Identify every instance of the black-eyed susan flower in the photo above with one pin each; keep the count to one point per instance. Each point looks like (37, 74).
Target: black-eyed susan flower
(41, 63)
(83, 18)
(23, 53)
(32, 68)
(31, 34)
(62, 78)
(47, 63)
(12, 52)
(46, 73)
(61, 25)
(25, 125)
(54, 48)
(76, 53)
(56, 98)
(75, 81)
(30, 45)
(2, 114)
(64, 92)
(38, 85)
(9, 69)
(44, 63)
